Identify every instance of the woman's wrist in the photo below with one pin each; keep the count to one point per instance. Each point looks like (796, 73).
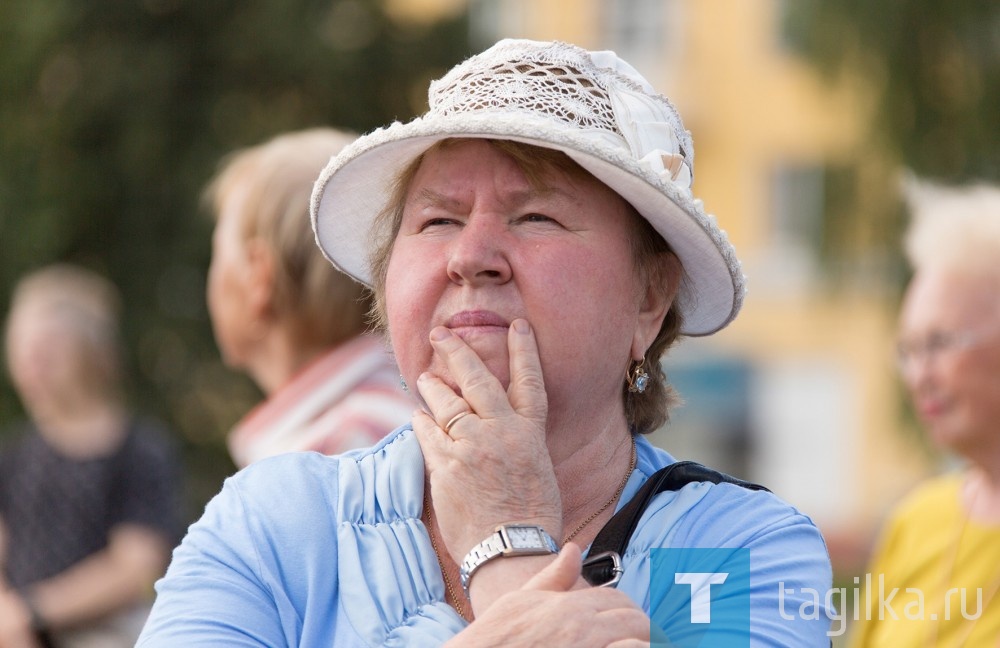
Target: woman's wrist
(39, 626)
(509, 540)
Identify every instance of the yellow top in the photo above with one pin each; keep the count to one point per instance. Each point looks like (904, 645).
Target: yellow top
(930, 554)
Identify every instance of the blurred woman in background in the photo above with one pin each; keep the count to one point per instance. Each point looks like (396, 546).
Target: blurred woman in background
(941, 545)
(288, 318)
(89, 494)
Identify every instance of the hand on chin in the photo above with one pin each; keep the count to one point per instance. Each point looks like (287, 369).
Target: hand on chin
(491, 349)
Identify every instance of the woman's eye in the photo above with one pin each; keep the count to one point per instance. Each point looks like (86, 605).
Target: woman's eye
(431, 223)
(537, 218)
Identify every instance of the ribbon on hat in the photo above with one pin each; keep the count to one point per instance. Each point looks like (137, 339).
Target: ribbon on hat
(610, 60)
(648, 123)
(645, 123)
(671, 167)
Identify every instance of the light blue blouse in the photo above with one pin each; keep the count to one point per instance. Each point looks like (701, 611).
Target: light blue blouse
(308, 550)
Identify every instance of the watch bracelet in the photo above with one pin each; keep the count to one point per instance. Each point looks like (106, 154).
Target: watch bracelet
(493, 546)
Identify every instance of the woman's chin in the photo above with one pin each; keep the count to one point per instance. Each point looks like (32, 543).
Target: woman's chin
(496, 359)
(497, 364)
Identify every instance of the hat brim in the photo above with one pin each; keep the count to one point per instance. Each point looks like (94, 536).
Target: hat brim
(356, 186)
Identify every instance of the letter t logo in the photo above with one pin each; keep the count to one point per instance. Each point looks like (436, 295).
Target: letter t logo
(701, 592)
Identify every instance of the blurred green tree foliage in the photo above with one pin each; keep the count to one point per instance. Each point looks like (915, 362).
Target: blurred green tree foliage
(936, 68)
(114, 114)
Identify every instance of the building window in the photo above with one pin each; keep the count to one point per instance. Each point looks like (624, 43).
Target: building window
(798, 199)
(797, 25)
(491, 20)
(713, 423)
(646, 33)
(789, 262)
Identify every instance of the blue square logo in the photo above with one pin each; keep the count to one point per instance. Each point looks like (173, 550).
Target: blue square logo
(700, 597)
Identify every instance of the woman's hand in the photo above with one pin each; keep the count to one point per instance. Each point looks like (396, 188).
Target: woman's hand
(491, 466)
(557, 608)
(15, 621)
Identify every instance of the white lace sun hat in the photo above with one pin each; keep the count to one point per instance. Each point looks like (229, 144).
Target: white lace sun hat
(594, 107)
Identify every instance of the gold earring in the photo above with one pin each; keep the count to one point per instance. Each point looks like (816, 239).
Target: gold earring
(638, 379)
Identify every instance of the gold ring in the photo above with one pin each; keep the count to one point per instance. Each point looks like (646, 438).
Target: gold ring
(454, 419)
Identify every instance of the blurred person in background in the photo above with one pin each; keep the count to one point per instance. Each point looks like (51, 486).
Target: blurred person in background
(89, 493)
(941, 545)
(283, 314)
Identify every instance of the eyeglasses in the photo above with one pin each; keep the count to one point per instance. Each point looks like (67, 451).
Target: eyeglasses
(933, 347)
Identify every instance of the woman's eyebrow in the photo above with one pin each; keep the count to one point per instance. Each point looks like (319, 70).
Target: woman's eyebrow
(428, 197)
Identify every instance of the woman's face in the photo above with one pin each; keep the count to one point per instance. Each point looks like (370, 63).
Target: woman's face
(228, 284)
(950, 343)
(478, 246)
(47, 357)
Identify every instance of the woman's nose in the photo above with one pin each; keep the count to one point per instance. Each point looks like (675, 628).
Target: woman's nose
(917, 371)
(479, 253)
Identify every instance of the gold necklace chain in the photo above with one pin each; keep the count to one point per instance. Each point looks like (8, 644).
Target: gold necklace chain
(450, 588)
(444, 572)
(614, 498)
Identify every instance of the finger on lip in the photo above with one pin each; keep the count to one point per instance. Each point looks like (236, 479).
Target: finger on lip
(440, 333)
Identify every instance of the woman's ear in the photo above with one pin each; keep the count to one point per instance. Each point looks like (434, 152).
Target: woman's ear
(260, 279)
(662, 283)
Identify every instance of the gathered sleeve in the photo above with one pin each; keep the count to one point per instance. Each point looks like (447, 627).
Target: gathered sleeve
(386, 559)
(307, 550)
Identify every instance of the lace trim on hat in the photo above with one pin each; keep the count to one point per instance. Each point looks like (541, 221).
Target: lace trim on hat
(560, 91)
(564, 83)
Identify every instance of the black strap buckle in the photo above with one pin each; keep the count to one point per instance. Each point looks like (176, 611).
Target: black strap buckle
(603, 570)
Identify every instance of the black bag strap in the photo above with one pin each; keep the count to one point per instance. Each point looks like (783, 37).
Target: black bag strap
(613, 538)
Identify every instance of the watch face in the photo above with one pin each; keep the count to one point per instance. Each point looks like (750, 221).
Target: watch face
(525, 538)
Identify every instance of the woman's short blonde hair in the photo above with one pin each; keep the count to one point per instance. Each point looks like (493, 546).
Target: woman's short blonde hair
(957, 228)
(653, 257)
(323, 306)
(88, 307)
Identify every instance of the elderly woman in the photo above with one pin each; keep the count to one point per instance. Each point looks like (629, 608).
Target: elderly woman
(940, 548)
(288, 318)
(534, 250)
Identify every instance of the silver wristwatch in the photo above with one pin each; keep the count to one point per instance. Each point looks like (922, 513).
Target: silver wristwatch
(507, 540)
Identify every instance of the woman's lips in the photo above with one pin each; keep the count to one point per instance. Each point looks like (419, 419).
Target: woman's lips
(930, 408)
(478, 321)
